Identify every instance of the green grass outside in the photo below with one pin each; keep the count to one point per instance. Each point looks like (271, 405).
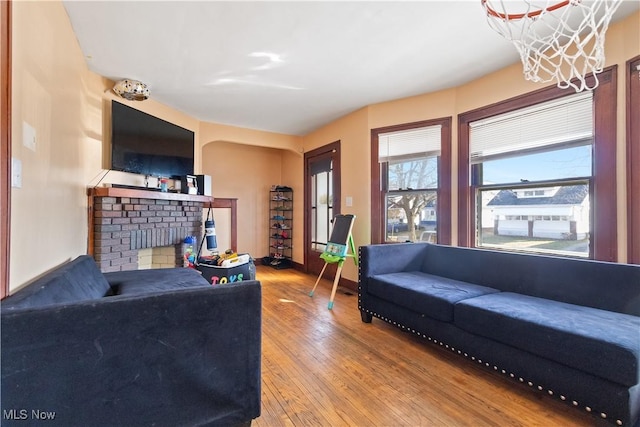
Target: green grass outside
(533, 243)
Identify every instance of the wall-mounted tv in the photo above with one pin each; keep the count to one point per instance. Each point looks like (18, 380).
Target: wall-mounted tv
(147, 145)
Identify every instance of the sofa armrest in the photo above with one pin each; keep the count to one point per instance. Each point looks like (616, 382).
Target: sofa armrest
(384, 259)
(391, 258)
(186, 357)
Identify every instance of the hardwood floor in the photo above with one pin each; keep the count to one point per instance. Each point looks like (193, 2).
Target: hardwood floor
(325, 367)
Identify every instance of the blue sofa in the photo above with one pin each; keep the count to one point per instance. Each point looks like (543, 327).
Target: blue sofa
(138, 348)
(569, 328)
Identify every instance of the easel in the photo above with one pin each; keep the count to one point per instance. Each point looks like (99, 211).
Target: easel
(338, 247)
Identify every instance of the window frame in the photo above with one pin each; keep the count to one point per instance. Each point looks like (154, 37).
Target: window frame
(5, 144)
(443, 207)
(633, 158)
(603, 202)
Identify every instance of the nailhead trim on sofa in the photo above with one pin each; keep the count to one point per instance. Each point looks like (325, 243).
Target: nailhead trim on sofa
(479, 361)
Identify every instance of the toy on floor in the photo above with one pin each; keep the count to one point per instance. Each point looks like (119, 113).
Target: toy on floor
(337, 250)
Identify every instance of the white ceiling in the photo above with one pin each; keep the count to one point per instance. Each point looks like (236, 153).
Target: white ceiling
(289, 67)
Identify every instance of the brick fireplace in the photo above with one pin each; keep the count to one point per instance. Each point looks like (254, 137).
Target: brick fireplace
(124, 221)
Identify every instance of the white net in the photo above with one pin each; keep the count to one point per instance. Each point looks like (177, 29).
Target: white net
(561, 41)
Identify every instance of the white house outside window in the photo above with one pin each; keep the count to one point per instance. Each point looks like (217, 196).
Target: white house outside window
(531, 170)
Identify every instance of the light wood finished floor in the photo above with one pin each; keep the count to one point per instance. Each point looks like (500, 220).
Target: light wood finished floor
(326, 368)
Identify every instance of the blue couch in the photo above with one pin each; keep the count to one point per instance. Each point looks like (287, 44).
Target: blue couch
(567, 327)
(139, 348)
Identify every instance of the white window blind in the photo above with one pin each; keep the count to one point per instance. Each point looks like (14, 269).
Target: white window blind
(409, 144)
(558, 122)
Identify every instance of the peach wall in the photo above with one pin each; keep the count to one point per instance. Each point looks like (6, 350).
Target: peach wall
(218, 132)
(246, 173)
(353, 133)
(622, 44)
(55, 93)
(244, 164)
(292, 169)
(69, 107)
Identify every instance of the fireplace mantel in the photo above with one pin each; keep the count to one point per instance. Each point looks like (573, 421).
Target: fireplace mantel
(123, 220)
(146, 194)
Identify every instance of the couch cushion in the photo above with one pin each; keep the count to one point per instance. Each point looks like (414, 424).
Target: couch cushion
(154, 280)
(424, 293)
(598, 284)
(601, 342)
(77, 280)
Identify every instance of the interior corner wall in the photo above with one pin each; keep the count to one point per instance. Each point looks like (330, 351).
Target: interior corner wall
(245, 172)
(292, 170)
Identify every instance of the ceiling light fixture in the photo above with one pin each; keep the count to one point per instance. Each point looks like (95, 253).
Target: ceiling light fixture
(133, 90)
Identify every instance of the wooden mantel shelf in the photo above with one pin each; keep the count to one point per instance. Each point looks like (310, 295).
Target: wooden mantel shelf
(146, 194)
(102, 219)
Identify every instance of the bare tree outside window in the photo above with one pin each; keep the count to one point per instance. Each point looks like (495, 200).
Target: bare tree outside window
(412, 188)
(409, 180)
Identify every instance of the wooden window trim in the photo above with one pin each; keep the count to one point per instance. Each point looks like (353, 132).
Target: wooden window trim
(604, 236)
(5, 144)
(443, 213)
(633, 158)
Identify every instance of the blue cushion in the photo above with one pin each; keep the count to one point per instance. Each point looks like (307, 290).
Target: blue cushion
(424, 293)
(77, 280)
(604, 285)
(155, 280)
(597, 341)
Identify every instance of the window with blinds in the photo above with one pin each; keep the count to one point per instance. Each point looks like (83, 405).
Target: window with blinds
(547, 126)
(409, 164)
(411, 158)
(531, 169)
(409, 144)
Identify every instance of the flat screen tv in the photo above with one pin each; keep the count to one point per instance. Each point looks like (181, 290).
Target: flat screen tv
(147, 145)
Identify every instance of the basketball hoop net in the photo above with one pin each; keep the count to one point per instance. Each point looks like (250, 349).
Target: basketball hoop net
(561, 41)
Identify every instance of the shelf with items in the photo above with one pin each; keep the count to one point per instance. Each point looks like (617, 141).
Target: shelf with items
(280, 226)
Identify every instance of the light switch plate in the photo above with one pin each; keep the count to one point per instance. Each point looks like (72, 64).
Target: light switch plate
(349, 201)
(28, 136)
(16, 173)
